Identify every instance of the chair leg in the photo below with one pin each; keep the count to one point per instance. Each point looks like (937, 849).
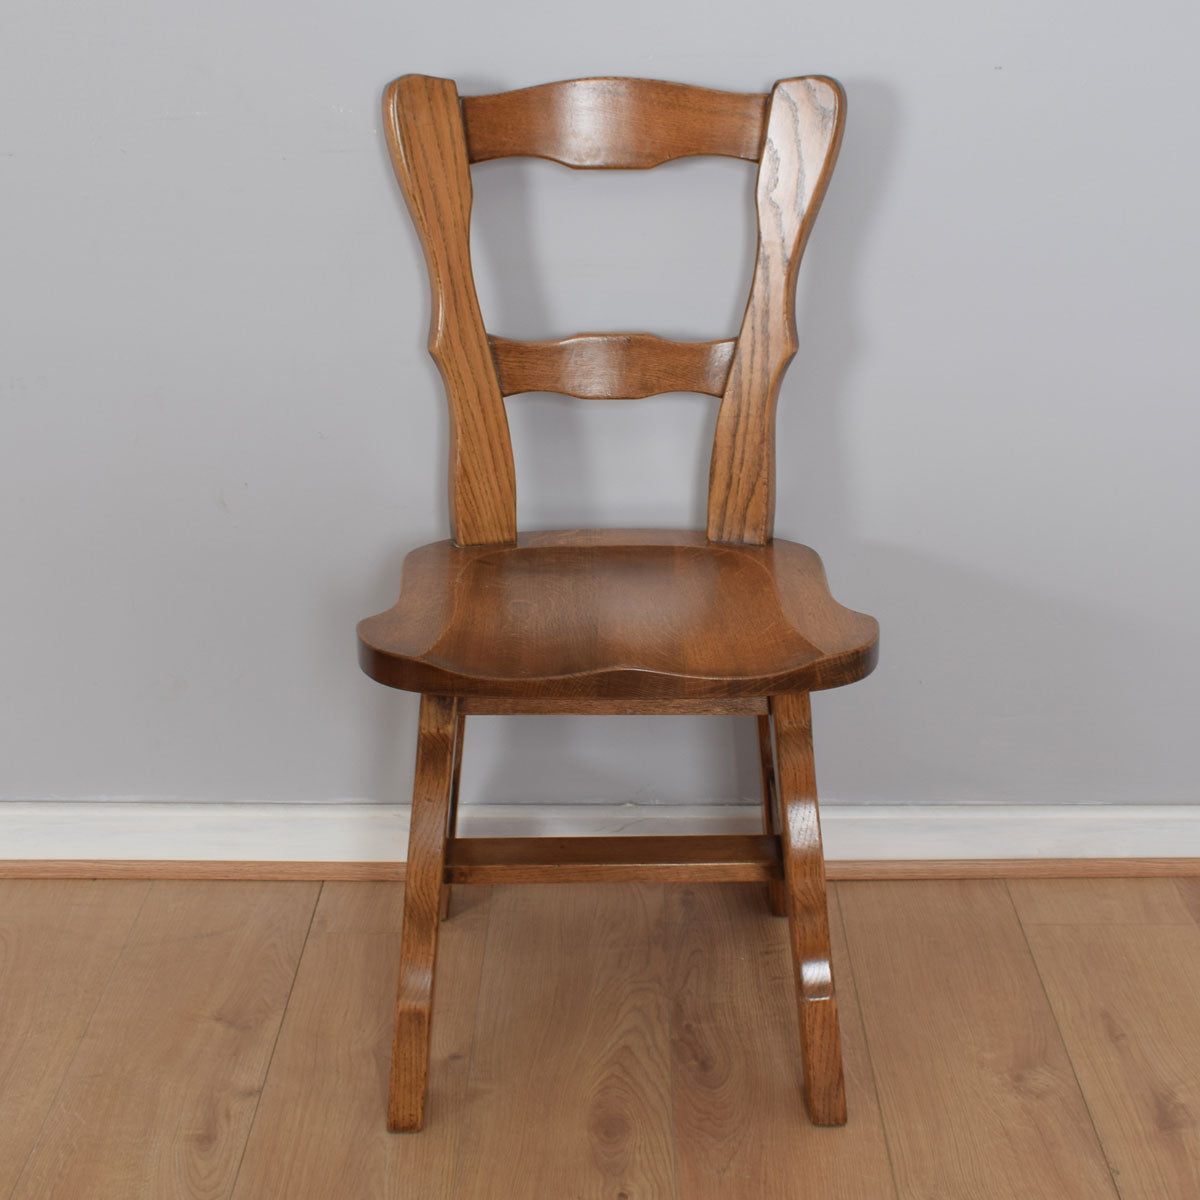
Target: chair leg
(422, 890)
(776, 891)
(804, 869)
(452, 820)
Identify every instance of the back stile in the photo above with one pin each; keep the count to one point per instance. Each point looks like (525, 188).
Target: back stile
(804, 130)
(424, 129)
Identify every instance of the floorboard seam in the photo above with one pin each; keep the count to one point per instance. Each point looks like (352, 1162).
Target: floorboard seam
(1194, 913)
(1062, 1038)
(862, 1017)
(275, 1042)
(666, 929)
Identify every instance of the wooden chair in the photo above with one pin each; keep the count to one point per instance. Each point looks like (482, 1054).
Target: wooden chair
(730, 620)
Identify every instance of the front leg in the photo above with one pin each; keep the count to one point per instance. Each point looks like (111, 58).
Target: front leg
(808, 920)
(422, 895)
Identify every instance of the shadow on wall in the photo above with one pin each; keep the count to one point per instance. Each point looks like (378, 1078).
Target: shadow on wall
(986, 691)
(990, 692)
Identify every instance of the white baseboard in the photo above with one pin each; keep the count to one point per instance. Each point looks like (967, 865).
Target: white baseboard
(349, 832)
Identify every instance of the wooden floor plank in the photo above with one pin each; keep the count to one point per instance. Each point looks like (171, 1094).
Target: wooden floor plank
(978, 1096)
(740, 1124)
(1099, 902)
(58, 944)
(159, 1098)
(320, 1131)
(1189, 893)
(570, 1075)
(594, 1040)
(1125, 997)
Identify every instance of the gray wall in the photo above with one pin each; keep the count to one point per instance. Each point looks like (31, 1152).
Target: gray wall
(220, 431)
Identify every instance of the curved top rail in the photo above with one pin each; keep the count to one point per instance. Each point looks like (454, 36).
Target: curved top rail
(614, 123)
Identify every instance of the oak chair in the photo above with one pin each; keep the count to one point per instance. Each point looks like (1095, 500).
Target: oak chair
(729, 620)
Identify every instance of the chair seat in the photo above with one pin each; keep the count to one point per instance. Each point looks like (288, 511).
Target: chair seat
(616, 613)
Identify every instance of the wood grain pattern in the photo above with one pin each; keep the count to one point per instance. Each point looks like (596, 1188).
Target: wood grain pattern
(161, 1093)
(622, 859)
(58, 944)
(613, 123)
(1125, 998)
(978, 1096)
(616, 615)
(1014, 868)
(808, 923)
(318, 1133)
(631, 614)
(460, 732)
(1080, 902)
(977, 1101)
(422, 912)
(570, 1080)
(612, 366)
(772, 821)
(425, 138)
(1189, 891)
(804, 132)
(736, 1055)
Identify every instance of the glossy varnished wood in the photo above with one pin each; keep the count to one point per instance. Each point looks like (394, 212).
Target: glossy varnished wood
(804, 132)
(422, 912)
(460, 731)
(614, 123)
(808, 922)
(776, 892)
(639, 614)
(713, 858)
(425, 137)
(612, 366)
(616, 620)
(608, 122)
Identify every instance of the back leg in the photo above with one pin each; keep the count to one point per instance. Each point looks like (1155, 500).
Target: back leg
(776, 891)
(804, 870)
(452, 821)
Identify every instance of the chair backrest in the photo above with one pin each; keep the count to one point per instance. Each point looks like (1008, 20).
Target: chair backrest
(434, 136)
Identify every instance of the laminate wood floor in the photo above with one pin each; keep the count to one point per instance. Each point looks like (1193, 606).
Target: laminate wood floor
(1008, 1040)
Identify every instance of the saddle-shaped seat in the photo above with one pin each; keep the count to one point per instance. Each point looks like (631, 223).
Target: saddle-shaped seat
(646, 614)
